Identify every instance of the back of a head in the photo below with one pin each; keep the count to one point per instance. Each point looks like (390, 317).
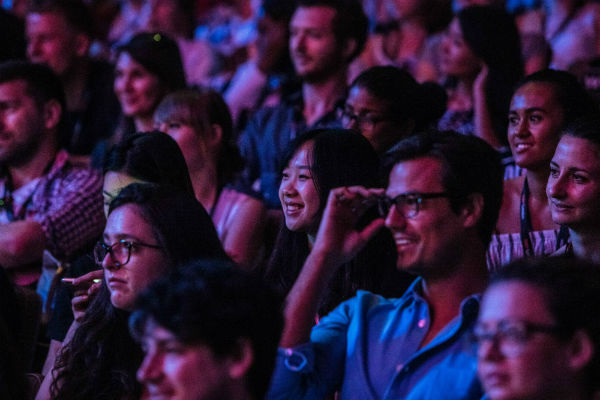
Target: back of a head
(470, 165)
(350, 22)
(404, 96)
(182, 226)
(216, 304)
(152, 157)
(571, 288)
(572, 97)
(160, 55)
(74, 12)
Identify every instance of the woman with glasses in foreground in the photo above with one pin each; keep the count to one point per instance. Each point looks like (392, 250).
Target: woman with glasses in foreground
(539, 331)
(149, 230)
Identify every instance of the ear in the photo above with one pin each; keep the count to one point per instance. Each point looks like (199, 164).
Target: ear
(82, 45)
(472, 210)
(581, 350)
(241, 359)
(349, 48)
(214, 139)
(52, 113)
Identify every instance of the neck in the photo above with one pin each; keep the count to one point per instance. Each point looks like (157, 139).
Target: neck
(143, 123)
(74, 84)
(586, 245)
(205, 184)
(536, 180)
(34, 168)
(320, 97)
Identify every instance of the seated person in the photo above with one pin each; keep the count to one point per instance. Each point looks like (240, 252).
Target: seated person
(574, 188)
(200, 122)
(441, 205)
(539, 331)
(149, 230)
(543, 104)
(209, 331)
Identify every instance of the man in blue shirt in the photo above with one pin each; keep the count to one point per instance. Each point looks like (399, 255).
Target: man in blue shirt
(441, 205)
(325, 36)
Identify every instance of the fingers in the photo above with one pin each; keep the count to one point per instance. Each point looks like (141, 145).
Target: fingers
(355, 198)
(370, 230)
(90, 278)
(78, 306)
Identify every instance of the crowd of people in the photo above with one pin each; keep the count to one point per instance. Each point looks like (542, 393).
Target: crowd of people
(299, 199)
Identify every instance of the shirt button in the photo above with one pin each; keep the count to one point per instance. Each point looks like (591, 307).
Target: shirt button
(421, 323)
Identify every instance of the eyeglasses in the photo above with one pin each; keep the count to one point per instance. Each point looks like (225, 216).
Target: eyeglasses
(511, 336)
(120, 251)
(407, 204)
(364, 121)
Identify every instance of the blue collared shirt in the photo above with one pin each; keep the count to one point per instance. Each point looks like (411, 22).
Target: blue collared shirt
(368, 348)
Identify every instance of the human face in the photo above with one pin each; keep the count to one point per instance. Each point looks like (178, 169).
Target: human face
(534, 124)
(191, 145)
(22, 124)
(426, 243)
(298, 193)
(539, 369)
(407, 8)
(271, 43)
(172, 370)
(146, 264)
(166, 16)
(373, 120)
(51, 41)
(573, 188)
(457, 57)
(137, 89)
(314, 48)
(113, 183)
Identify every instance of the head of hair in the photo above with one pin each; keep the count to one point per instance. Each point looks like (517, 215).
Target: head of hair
(75, 13)
(586, 127)
(571, 290)
(279, 10)
(570, 95)
(160, 55)
(499, 46)
(41, 84)
(406, 99)
(152, 157)
(349, 23)
(214, 303)
(469, 166)
(201, 109)
(337, 157)
(101, 360)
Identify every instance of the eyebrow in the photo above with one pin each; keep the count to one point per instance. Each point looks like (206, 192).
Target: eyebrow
(529, 109)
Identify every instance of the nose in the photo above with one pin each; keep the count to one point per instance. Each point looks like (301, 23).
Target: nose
(522, 129)
(556, 186)
(151, 368)
(33, 47)
(109, 263)
(488, 350)
(351, 123)
(394, 220)
(297, 42)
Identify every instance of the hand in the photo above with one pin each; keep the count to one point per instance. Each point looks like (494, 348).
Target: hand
(86, 287)
(337, 235)
(480, 81)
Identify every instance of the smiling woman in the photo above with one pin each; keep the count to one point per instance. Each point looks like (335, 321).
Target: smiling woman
(149, 230)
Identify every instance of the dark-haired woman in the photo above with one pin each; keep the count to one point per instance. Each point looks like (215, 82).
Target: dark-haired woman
(319, 161)
(200, 123)
(149, 230)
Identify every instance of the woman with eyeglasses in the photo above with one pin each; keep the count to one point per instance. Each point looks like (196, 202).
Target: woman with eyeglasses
(538, 331)
(150, 229)
(317, 162)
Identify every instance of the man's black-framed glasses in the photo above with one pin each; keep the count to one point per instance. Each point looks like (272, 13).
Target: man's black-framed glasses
(511, 336)
(120, 251)
(407, 204)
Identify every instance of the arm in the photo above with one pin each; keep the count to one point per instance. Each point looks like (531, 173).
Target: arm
(483, 121)
(21, 243)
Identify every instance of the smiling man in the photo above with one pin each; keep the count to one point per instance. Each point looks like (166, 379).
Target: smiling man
(441, 205)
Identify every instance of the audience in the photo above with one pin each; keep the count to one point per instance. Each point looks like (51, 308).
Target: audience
(325, 35)
(209, 331)
(539, 331)
(574, 188)
(201, 124)
(543, 104)
(48, 203)
(316, 163)
(441, 205)
(149, 230)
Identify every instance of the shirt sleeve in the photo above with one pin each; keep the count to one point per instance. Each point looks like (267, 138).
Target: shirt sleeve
(314, 370)
(72, 215)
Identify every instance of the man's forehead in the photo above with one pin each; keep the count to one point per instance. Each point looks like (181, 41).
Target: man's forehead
(14, 88)
(319, 16)
(424, 174)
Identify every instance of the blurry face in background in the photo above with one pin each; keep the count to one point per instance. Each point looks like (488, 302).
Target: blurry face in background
(51, 41)
(457, 58)
(271, 43)
(298, 193)
(314, 48)
(534, 123)
(137, 89)
(190, 142)
(166, 16)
